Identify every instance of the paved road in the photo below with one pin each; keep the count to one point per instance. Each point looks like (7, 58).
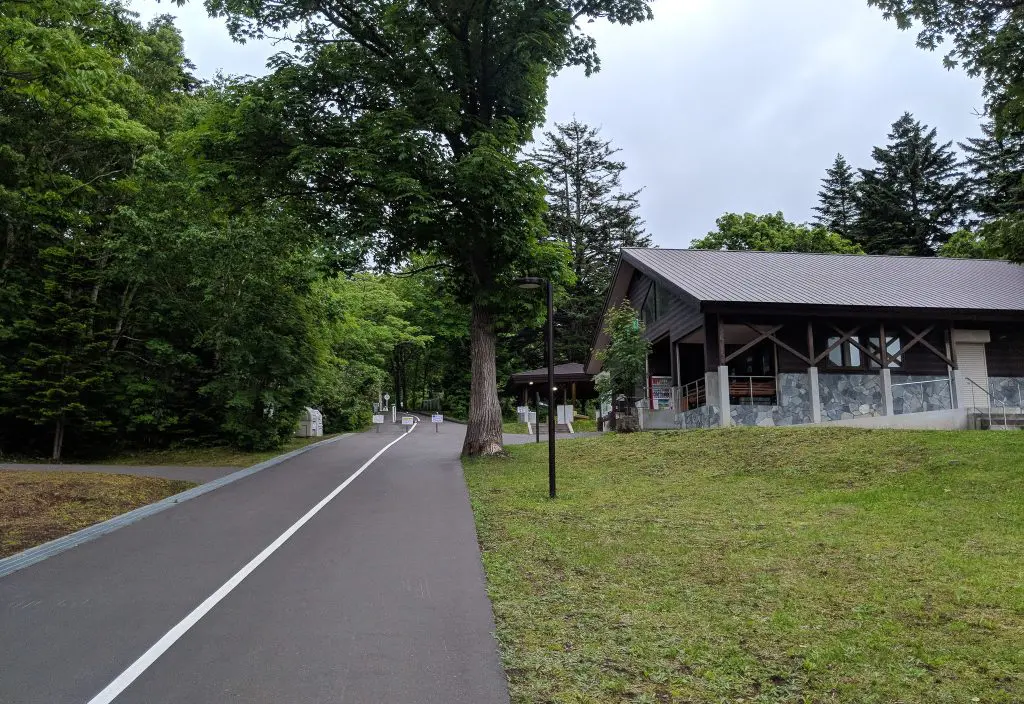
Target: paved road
(379, 597)
(199, 475)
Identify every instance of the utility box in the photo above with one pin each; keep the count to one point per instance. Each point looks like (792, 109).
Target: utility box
(311, 424)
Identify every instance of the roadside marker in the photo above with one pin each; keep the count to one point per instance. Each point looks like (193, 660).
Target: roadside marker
(122, 681)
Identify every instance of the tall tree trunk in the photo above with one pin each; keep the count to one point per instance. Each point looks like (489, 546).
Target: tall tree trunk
(483, 435)
(58, 439)
(8, 247)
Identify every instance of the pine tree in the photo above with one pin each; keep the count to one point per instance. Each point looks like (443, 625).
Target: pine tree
(915, 197)
(996, 166)
(837, 209)
(594, 217)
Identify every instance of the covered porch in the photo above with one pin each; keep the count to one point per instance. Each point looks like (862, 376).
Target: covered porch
(790, 370)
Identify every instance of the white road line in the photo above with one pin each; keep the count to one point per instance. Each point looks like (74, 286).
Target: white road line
(121, 682)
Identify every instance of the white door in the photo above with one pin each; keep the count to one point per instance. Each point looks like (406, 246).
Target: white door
(970, 357)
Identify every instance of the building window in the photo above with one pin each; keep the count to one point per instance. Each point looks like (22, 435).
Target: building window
(649, 311)
(849, 356)
(893, 347)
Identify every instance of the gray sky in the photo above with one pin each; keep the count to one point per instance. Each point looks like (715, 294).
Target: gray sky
(721, 105)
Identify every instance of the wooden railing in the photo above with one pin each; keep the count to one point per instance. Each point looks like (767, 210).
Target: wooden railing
(753, 387)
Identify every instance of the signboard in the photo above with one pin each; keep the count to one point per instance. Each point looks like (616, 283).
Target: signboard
(437, 418)
(377, 419)
(408, 420)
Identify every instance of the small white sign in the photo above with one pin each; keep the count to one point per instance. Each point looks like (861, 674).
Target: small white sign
(387, 397)
(437, 418)
(408, 420)
(377, 419)
(522, 409)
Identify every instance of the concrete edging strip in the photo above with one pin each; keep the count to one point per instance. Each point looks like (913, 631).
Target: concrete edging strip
(55, 547)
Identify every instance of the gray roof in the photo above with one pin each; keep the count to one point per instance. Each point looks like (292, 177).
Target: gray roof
(564, 372)
(836, 279)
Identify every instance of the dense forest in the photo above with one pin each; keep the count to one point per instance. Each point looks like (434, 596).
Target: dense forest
(189, 261)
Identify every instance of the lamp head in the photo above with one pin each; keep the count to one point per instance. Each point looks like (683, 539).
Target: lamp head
(530, 282)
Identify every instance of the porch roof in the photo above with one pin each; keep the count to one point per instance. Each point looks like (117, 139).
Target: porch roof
(858, 281)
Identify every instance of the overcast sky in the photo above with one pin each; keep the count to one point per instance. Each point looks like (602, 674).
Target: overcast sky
(720, 105)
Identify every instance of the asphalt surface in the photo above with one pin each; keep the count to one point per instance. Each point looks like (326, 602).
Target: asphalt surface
(199, 475)
(379, 598)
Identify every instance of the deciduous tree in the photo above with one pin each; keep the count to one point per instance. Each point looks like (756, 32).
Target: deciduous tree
(408, 118)
(772, 233)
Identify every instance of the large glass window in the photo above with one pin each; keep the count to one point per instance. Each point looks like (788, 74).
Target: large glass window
(849, 356)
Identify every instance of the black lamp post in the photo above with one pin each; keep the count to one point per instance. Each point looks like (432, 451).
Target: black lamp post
(532, 282)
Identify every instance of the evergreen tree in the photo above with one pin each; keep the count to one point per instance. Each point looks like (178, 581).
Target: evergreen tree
(915, 197)
(837, 199)
(996, 166)
(590, 213)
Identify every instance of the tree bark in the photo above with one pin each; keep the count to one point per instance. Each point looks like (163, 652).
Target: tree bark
(58, 440)
(483, 435)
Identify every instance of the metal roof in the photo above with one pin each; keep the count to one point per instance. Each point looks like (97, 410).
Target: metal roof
(836, 279)
(563, 372)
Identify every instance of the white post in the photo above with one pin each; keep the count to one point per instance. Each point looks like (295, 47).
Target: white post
(723, 396)
(394, 414)
(815, 395)
(887, 404)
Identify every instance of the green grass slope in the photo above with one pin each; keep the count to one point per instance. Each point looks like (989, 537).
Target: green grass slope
(760, 565)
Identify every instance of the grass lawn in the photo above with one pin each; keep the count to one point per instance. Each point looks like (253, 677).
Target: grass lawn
(759, 565)
(513, 428)
(39, 506)
(206, 456)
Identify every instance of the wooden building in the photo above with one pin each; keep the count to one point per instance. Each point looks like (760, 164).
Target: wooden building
(781, 338)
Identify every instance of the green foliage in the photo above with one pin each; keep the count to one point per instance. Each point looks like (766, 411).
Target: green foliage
(593, 217)
(915, 197)
(764, 565)
(984, 36)
(625, 357)
(157, 287)
(837, 199)
(408, 117)
(362, 325)
(965, 244)
(772, 233)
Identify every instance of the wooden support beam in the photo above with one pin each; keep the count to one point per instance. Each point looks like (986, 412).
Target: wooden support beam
(884, 343)
(920, 338)
(843, 337)
(856, 343)
(951, 346)
(711, 358)
(810, 342)
(761, 337)
(721, 341)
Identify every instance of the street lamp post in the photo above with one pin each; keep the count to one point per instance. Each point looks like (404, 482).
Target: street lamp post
(532, 282)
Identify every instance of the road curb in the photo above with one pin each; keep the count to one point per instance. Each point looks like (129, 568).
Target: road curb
(55, 547)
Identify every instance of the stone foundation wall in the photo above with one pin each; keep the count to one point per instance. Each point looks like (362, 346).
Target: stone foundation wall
(1006, 391)
(918, 398)
(846, 396)
(794, 400)
(703, 417)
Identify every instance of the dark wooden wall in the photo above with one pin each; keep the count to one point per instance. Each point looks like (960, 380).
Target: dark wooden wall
(681, 319)
(1006, 351)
